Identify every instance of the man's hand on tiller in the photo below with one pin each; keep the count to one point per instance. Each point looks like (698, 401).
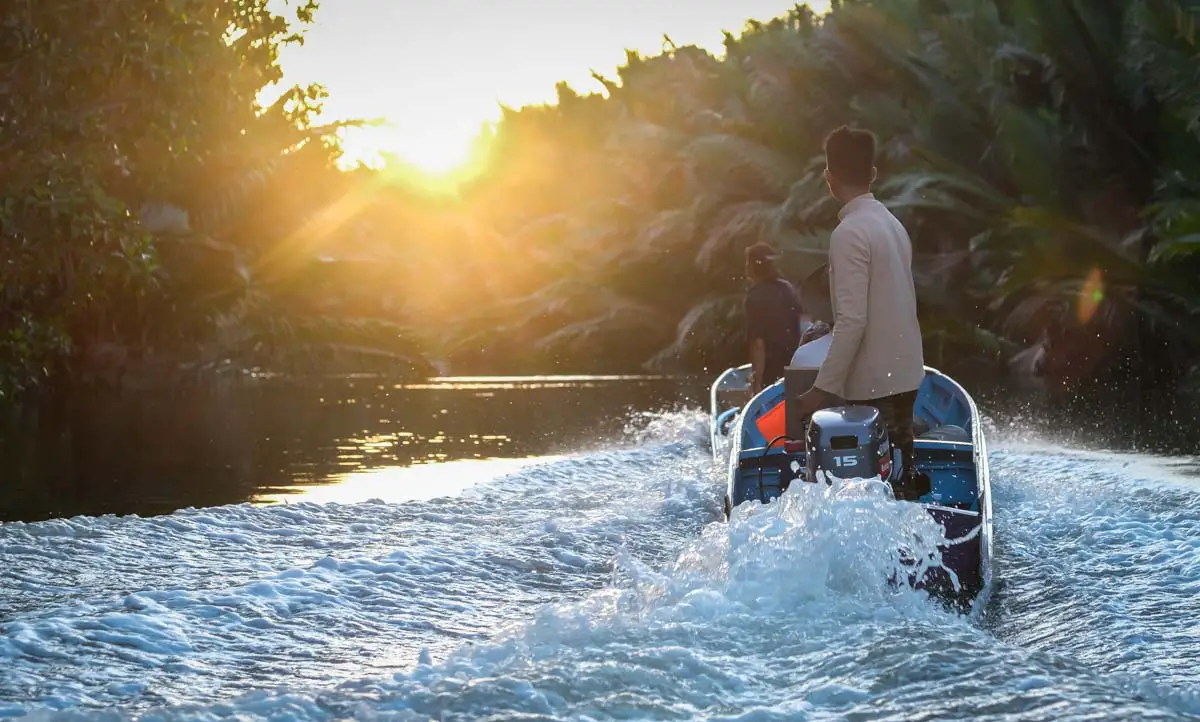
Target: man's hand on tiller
(811, 401)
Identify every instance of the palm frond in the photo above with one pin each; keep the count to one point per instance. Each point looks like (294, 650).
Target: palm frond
(229, 198)
(735, 228)
(802, 253)
(284, 342)
(1091, 246)
(614, 330)
(1170, 249)
(710, 330)
(742, 166)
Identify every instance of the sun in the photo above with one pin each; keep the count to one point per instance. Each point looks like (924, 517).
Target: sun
(436, 152)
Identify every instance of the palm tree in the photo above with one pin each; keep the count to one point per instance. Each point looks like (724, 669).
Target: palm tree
(1040, 153)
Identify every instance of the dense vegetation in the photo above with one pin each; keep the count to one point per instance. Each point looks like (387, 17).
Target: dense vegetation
(156, 219)
(1045, 156)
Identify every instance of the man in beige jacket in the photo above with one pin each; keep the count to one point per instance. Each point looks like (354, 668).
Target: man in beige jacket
(875, 357)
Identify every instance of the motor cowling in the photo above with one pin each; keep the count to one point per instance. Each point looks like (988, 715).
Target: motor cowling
(849, 442)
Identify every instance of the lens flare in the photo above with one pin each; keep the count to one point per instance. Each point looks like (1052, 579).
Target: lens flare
(1091, 294)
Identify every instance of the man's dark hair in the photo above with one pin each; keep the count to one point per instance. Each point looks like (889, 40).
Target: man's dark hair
(850, 154)
(760, 252)
(762, 257)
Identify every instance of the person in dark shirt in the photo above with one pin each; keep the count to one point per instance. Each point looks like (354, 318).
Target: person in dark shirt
(773, 316)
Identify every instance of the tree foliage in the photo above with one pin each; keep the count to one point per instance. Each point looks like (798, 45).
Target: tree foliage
(1043, 155)
(154, 212)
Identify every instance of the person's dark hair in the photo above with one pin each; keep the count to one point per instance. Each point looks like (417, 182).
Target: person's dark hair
(761, 257)
(850, 155)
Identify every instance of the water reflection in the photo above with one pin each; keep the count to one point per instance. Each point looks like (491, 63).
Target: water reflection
(399, 483)
(152, 453)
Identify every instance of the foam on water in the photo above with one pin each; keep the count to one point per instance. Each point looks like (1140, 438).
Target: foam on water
(204, 604)
(606, 586)
(1106, 543)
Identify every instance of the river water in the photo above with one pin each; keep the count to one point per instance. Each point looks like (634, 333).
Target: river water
(553, 549)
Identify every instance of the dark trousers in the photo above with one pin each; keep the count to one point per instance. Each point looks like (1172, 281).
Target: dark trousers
(897, 413)
(773, 368)
(771, 374)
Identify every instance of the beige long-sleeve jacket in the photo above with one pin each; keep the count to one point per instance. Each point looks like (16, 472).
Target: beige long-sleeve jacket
(876, 349)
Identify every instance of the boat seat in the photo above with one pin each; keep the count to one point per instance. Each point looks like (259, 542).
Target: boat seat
(947, 432)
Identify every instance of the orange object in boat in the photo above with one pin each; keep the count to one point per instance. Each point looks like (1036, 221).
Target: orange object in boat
(773, 424)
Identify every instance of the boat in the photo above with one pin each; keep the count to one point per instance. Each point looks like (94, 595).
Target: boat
(950, 449)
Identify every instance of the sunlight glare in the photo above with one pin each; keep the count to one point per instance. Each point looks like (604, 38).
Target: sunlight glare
(436, 151)
(437, 72)
(395, 484)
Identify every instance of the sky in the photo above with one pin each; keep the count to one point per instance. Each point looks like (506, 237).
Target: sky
(437, 69)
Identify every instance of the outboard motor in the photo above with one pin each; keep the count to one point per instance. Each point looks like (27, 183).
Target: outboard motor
(849, 442)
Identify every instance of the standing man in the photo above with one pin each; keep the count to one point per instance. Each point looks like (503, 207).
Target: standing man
(875, 357)
(772, 317)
